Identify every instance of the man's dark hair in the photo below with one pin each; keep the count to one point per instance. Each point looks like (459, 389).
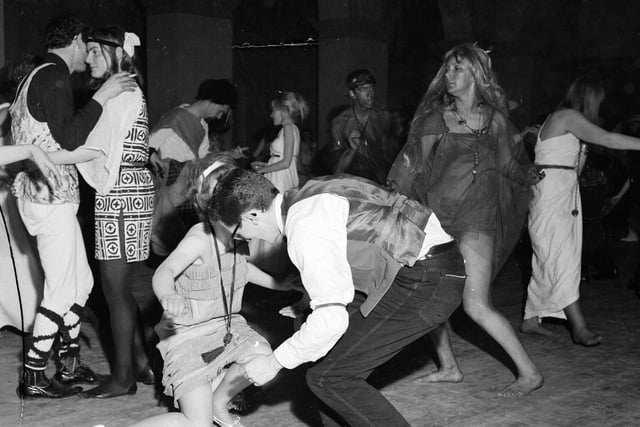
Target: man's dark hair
(220, 91)
(358, 78)
(237, 192)
(61, 30)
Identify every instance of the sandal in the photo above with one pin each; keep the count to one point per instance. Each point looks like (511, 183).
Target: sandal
(220, 423)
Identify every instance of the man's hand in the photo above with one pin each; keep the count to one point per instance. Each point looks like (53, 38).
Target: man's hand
(355, 139)
(114, 86)
(239, 152)
(261, 369)
(157, 166)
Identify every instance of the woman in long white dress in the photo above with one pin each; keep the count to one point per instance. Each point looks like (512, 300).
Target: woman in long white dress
(555, 218)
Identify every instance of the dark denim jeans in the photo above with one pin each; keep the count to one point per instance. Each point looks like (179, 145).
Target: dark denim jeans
(420, 298)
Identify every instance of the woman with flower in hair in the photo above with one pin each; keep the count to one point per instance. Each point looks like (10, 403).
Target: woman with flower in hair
(113, 162)
(462, 161)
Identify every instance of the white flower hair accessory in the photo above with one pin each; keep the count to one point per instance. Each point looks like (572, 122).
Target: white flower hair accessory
(131, 40)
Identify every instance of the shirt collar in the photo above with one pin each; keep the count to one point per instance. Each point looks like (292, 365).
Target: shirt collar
(277, 204)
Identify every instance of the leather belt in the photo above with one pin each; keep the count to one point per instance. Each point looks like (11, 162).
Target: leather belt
(440, 249)
(132, 165)
(554, 166)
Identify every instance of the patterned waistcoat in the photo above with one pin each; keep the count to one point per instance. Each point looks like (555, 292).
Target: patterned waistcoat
(385, 230)
(31, 185)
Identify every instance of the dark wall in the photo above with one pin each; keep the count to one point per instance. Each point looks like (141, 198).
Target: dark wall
(260, 73)
(25, 20)
(538, 46)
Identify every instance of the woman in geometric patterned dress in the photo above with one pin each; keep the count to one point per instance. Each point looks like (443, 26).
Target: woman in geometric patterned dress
(113, 162)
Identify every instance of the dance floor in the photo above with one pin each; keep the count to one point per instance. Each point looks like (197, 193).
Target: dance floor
(597, 386)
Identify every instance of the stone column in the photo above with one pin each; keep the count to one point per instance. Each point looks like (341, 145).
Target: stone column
(188, 42)
(353, 35)
(2, 32)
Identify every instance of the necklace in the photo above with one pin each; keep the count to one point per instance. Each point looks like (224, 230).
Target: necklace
(227, 306)
(209, 356)
(476, 132)
(463, 122)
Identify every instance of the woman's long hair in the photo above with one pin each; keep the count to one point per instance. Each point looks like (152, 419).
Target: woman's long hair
(585, 95)
(110, 38)
(488, 91)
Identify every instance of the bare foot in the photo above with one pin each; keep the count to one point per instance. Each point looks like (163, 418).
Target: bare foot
(523, 386)
(586, 338)
(533, 326)
(450, 375)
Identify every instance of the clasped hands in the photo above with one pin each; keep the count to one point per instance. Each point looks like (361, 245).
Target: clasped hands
(355, 139)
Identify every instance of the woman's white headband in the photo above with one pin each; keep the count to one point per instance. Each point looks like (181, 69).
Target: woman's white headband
(209, 170)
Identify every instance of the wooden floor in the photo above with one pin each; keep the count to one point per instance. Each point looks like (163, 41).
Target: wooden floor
(584, 387)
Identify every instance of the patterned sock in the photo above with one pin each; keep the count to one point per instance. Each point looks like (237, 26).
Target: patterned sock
(45, 328)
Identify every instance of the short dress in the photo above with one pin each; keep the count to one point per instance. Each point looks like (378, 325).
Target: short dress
(286, 178)
(475, 183)
(184, 340)
(126, 211)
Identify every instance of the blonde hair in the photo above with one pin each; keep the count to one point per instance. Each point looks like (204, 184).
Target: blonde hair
(488, 90)
(294, 105)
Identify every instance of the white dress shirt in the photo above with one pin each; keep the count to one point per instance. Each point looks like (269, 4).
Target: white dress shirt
(316, 231)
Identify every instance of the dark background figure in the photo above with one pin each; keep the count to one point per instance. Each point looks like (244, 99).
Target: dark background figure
(629, 196)
(364, 133)
(598, 182)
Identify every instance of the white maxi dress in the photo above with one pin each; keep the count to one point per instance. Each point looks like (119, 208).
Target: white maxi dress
(555, 227)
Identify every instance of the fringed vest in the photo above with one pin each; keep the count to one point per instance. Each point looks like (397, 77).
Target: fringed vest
(385, 230)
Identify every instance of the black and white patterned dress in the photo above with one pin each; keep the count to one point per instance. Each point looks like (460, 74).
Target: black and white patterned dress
(125, 212)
